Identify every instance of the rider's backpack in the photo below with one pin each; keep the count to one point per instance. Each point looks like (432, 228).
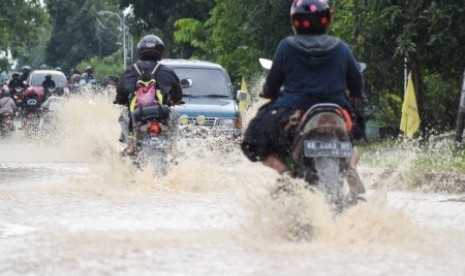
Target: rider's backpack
(146, 93)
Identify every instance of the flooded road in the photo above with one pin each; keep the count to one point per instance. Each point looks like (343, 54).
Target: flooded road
(72, 206)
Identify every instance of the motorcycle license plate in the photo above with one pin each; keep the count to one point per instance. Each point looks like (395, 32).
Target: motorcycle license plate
(321, 148)
(154, 143)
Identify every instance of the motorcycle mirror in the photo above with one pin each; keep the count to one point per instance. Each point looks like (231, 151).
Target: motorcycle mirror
(265, 63)
(186, 83)
(362, 66)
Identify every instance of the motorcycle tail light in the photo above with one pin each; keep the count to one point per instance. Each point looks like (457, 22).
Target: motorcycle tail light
(154, 128)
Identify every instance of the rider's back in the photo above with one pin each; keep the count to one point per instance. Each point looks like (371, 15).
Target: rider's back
(311, 69)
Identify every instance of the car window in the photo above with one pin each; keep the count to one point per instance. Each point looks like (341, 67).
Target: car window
(38, 78)
(205, 82)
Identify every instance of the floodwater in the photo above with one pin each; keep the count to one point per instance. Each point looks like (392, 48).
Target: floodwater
(70, 205)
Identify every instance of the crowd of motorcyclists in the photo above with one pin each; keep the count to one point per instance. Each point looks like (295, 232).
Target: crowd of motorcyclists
(18, 99)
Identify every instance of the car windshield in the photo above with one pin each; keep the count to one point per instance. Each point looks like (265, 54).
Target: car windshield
(205, 82)
(37, 79)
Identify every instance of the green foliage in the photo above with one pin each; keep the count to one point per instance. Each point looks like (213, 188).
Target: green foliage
(243, 31)
(389, 110)
(159, 16)
(74, 32)
(193, 32)
(443, 95)
(102, 67)
(22, 26)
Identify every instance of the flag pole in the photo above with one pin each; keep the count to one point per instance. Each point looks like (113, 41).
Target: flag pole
(405, 74)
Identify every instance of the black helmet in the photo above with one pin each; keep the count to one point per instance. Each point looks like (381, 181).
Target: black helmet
(310, 16)
(150, 47)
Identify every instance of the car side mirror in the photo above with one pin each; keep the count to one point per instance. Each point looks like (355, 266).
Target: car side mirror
(241, 95)
(186, 83)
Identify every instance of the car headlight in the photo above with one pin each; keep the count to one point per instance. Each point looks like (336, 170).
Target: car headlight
(201, 120)
(230, 123)
(184, 120)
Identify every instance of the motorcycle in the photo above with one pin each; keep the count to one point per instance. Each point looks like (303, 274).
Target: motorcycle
(18, 96)
(6, 124)
(320, 150)
(31, 124)
(154, 132)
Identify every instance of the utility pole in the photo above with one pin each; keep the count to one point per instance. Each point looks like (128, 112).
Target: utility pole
(461, 115)
(123, 29)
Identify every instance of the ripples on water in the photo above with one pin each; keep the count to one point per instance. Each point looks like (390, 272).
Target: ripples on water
(72, 205)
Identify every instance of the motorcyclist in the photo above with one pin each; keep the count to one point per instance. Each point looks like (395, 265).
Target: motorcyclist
(25, 70)
(15, 82)
(6, 102)
(56, 98)
(308, 68)
(48, 84)
(88, 74)
(150, 50)
(31, 104)
(74, 82)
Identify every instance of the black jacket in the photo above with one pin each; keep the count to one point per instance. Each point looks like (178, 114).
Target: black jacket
(166, 78)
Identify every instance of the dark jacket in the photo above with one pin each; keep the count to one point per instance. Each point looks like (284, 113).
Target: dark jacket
(166, 78)
(15, 83)
(311, 69)
(31, 105)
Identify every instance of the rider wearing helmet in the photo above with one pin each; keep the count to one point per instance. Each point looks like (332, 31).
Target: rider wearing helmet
(15, 82)
(88, 74)
(308, 68)
(48, 84)
(31, 104)
(149, 50)
(25, 70)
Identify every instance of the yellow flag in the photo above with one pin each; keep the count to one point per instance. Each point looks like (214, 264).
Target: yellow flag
(244, 103)
(410, 121)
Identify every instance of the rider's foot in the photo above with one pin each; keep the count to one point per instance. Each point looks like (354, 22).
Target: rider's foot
(122, 138)
(130, 150)
(354, 181)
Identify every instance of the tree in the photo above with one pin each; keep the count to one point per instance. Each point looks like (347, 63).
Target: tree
(74, 34)
(22, 25)
(159, 16)
(428, 35)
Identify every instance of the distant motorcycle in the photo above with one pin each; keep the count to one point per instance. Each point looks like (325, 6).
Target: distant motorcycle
(6, 124)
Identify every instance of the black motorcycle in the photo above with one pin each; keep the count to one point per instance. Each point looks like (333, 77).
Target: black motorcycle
(154, 134)
(320, 150)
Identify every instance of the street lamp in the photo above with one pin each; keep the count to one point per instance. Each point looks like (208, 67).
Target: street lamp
(123, 29)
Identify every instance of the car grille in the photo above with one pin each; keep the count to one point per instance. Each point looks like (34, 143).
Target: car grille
(209, 122)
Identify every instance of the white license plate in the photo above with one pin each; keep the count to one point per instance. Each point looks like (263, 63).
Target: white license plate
(154, 143)
(322, 148)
